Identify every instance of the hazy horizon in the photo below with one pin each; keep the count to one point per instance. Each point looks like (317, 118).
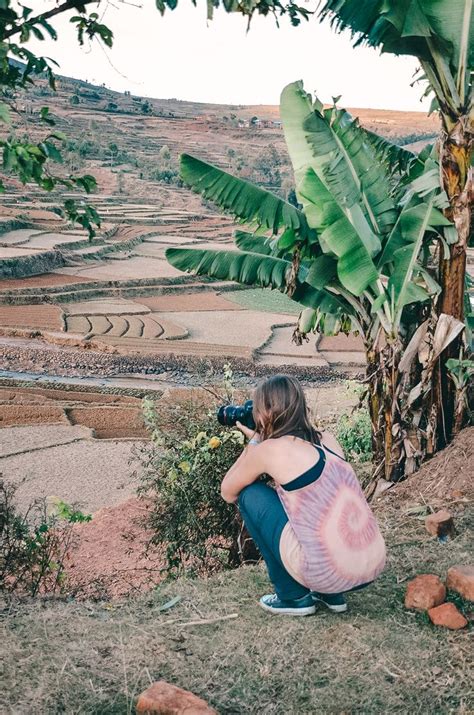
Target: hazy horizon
(182, 56)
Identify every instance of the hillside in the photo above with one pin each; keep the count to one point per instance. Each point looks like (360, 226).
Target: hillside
(132, 146)
(120, 137)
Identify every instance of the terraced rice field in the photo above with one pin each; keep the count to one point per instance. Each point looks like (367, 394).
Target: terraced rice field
(120, 293)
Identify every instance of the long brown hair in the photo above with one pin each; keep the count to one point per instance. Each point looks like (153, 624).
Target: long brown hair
(279, 409)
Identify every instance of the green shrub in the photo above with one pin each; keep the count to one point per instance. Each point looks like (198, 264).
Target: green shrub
(34, 545)
(354, 433)
(183, 467)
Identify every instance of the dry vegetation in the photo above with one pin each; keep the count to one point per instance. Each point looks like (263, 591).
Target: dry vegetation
(96, 657)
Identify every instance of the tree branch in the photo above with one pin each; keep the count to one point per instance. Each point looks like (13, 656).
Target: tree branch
(68, 5)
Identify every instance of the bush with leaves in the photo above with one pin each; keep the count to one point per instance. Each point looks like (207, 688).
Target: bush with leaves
(183, 467)
(35, 545)
(354, 433)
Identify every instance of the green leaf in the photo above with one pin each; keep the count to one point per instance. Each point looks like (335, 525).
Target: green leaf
(355, 267)
(5, 114)
(405, 231)
(287, 240)
(396, 159)
(53, 153)
(247, 268)
(251, 243)
(335, 152)
(45, 116)
(247, 202)
(401, 284)
(256, 270)
(379, 302)
(322, 271)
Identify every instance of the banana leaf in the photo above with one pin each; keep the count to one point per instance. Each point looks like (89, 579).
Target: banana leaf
(247, 202)
(355, 268)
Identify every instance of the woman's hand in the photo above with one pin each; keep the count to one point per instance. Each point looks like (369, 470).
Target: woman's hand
(249, 433)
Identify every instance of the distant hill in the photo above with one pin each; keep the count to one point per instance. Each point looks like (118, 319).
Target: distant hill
(132, 143)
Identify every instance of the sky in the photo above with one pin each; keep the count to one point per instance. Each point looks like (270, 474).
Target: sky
(181, 55)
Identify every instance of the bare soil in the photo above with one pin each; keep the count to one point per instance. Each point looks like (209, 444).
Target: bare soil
(109, 421)
(31, 415)
(110, 557)
(109, 416)
(43, 394)
(189, 302)
(31, 316)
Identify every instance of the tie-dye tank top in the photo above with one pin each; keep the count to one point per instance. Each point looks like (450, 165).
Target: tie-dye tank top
(333, 540)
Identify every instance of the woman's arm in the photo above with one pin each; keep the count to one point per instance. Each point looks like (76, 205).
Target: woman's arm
(246, 469)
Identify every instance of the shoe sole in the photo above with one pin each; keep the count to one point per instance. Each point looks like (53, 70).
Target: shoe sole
(307, 611)
(335, 609)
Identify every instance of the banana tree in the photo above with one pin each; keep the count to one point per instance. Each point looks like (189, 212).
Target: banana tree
(441, 35)
(357, 255)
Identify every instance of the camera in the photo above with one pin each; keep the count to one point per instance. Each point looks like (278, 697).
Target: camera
(229, 415)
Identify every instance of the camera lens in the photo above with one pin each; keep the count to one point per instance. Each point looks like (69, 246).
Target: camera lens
(226, 415)
(229, 415)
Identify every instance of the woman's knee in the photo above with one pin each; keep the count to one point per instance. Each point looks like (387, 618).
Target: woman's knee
(245, 496)
(254, 496)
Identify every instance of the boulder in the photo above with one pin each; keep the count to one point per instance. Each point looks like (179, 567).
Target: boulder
(424, 592)
(162, 697)
(440, 524)
(461, 579)
(447, 616)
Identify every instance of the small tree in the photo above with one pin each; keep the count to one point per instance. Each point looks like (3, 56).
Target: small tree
(146, 107)
(358, 252)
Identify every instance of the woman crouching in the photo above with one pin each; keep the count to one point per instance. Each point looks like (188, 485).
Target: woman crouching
(315, 530)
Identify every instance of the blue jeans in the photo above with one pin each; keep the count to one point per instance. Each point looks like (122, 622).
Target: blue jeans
(265, 519)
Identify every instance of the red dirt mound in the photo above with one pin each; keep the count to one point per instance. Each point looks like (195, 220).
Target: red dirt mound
(447, 476)
(108, 559)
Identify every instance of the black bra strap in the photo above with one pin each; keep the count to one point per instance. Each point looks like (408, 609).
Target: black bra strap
(308, 477)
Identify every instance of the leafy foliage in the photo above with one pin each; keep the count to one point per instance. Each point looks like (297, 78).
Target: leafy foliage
(35, 545)
(354, 434)
(357, 243)
(249, 8)
(182, 471)
(245, 201)
(19, 67)
(440, 35)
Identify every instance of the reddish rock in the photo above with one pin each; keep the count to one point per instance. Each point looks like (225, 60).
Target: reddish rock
(447, 616)
(440, 524)
(424, 592)
(461, 580)
(162, 697)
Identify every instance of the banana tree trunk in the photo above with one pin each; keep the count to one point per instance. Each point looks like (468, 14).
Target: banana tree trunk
(384, 410)
(456, 148)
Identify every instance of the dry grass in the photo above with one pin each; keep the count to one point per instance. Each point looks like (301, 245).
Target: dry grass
(66, 657)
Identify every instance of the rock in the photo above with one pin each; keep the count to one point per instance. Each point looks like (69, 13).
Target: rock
(424, 592)
(447, 616)
(162, 697)
(440, 524)
(461, 579)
